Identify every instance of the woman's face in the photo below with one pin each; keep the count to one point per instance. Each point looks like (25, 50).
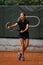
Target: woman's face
(22, 17)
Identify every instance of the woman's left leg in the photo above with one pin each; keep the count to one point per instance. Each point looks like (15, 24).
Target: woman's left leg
(26, 44)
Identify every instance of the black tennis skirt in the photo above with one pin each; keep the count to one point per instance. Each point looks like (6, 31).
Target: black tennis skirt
(24, 36)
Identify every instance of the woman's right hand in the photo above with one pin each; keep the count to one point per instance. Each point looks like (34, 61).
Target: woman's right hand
(8, 27)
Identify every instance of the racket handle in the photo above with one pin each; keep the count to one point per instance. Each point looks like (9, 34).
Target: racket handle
(8, 28)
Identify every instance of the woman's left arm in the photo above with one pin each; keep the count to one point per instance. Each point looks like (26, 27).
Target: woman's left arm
(27, 26)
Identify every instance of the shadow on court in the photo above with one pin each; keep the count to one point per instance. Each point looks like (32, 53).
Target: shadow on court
(10, 58)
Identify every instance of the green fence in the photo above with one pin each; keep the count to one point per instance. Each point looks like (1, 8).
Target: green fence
(10, 14)
(21, 2)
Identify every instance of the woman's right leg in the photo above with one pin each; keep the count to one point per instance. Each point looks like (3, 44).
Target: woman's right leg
(21, 54)
(22, 44)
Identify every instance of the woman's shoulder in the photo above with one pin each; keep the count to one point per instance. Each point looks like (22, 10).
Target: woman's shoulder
(27, 21)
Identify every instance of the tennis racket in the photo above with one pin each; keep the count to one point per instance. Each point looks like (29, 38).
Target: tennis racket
(11, 29)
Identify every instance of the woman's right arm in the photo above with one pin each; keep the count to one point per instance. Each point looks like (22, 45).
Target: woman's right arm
(11, 26)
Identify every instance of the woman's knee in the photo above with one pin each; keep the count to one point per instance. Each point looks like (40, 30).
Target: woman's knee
(22, 41)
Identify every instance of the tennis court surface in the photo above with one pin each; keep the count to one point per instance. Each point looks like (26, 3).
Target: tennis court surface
(10, 58)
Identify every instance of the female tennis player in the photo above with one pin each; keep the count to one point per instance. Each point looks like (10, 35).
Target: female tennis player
(23, 34)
